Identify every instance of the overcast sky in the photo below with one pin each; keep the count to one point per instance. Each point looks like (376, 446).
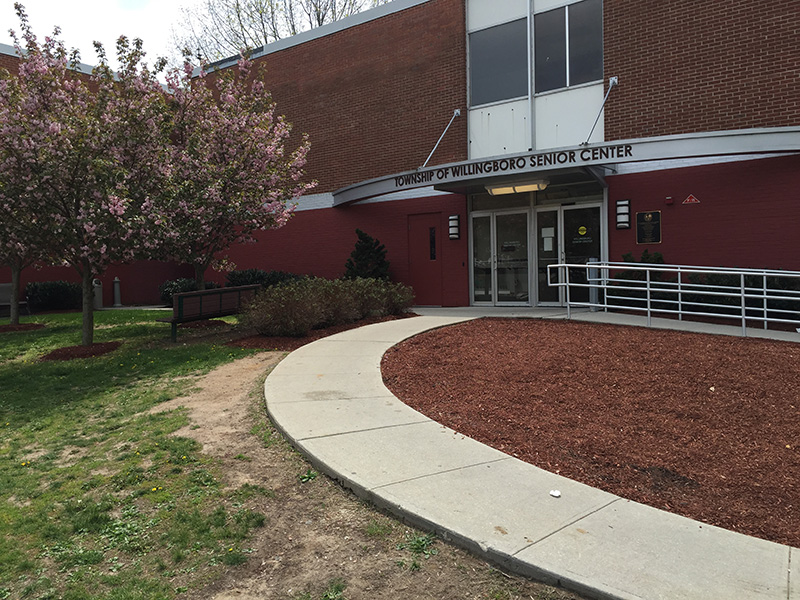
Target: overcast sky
(83, 21)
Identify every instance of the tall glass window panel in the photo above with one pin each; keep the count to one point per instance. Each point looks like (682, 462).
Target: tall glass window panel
(585, 42)
(512, 257)
(550, 50)
(482, 259)
(571, 39)
(498, 59)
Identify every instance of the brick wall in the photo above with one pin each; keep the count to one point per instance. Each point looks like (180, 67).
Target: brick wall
(375, 97)
(687, 66)
(9, 63)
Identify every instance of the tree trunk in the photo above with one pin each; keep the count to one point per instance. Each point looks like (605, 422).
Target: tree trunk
(16, 270)
(87, 333)
(199, 273)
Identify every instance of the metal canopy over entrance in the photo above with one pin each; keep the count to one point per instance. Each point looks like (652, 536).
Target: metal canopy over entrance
(588, 157)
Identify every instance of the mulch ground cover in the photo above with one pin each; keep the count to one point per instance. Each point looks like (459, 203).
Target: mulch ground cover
(21, 327)
(73, 352)
(704, 426)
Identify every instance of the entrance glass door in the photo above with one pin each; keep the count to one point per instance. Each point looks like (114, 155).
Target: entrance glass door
(500, 258)
(511, 252)
(581, 244)
(548, 252)
(569, 234)
(482, 259)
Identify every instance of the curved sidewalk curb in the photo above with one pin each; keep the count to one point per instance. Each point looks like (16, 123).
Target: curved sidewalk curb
(328, 398)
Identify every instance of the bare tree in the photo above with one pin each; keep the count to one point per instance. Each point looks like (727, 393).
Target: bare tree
(215, 29)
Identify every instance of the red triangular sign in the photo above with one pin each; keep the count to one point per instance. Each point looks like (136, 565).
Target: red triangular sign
(691, 200)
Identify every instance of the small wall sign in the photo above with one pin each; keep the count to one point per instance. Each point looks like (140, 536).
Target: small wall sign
(648, 227)
(691, 200)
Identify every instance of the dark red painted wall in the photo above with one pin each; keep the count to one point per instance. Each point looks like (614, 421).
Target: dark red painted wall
(319, 242)
(138, 282)
(747, 216)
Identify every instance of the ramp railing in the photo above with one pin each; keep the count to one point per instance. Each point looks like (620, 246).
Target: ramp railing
(756, 297)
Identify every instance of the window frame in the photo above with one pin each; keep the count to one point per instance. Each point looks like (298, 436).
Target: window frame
(527, 60)
(566, 50)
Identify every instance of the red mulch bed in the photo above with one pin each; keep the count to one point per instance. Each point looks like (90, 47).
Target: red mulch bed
(72, 352)
(288, 344)
(704, 426)
(21, 327)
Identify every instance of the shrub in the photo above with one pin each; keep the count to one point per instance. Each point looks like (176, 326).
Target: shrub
(649, 258)
(291, 309)
(295, 308)
(177, 286)
(53, 295)
(635, 298)
(707, 286)
(339, 302)
(260, 277)
(367, 260)
(379, 298)
(399, 298)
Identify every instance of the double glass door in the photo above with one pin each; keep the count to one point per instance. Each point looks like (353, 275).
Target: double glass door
(566, 234)
(500, 258)
(503, 252)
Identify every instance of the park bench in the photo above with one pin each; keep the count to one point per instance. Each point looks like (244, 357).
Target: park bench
(208, 304)
(5, 300)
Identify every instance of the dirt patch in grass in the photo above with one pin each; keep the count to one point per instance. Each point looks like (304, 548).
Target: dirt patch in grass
(704, 426)
(316, 533)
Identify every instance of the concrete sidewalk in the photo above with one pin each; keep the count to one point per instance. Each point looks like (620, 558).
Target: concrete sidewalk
(328, 398)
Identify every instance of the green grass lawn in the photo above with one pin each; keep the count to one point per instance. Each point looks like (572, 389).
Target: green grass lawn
(97, 500)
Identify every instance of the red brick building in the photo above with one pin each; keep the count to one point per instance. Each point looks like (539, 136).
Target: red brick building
(700, 130)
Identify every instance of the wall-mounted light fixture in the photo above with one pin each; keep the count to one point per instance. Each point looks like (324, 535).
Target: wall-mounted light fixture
(517, 188)
(454, 225)
(623, 214)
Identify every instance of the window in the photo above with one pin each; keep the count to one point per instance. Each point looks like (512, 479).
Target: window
(498, 59)
(568, 45)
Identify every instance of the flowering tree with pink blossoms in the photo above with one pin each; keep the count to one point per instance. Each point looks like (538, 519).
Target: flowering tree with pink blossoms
(231, 175)
(111, 169)
(23, 238)
(14, 253)
(80, 161)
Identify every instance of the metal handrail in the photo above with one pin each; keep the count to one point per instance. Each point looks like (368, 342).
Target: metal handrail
(683, 290)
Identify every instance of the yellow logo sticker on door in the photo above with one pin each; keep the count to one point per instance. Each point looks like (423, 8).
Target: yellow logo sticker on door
(582, 230)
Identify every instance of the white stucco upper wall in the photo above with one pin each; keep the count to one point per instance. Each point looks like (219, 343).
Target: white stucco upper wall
(486, 13)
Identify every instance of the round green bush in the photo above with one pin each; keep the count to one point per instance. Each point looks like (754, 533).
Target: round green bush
(295, 308)
(176, 286)
(53, 295)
